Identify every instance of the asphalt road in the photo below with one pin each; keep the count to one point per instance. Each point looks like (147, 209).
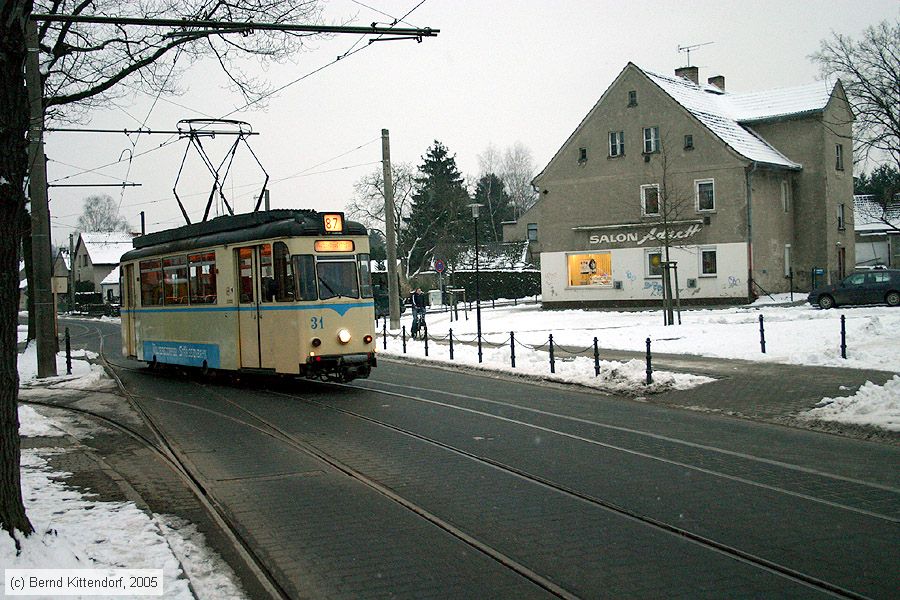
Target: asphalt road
(424, 482)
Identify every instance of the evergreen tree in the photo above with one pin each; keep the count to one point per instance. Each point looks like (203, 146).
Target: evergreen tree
(439, 210)
(490, 191)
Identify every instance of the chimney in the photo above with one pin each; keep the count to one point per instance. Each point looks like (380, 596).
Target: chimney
(718, 81)
(692, 73)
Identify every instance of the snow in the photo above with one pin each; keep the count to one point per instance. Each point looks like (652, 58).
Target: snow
(75, 531)
(108, 247)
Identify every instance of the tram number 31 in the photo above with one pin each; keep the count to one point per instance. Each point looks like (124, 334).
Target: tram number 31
(317, 323)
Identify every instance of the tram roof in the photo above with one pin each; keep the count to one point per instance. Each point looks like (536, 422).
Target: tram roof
(234, 229)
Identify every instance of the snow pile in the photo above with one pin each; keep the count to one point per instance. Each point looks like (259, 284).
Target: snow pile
(34, 424)
(872, 405)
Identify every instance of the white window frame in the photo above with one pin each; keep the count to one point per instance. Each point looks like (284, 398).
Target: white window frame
(616, 144)
(697, 184)
(700, 267)
(839, 157)
(644, 200)
(648, 252)
(652, 140)
(841, 217)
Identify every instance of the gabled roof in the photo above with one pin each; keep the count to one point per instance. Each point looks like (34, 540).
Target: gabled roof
(785, 102)
(867, 214)
(106, 248)
(112, 278)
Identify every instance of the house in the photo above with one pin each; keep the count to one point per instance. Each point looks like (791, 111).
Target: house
(877, 229)
(747, 189)
(109, 287)
(96, 255)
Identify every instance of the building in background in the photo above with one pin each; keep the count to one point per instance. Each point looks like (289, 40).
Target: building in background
(96, 255)
(748, 188)
(877, 230)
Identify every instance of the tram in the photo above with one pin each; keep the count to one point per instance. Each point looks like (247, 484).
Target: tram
(280, 292)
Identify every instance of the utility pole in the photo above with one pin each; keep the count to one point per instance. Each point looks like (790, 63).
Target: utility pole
(390, 235)
(72, 270)
(40, 212)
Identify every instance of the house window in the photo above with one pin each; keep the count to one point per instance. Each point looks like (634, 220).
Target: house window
(839, 157)
(650, 200)
(590, 269)
(785, 196)
(582, 155)
(632, 98)
(651, 139)
(532, 232)
(616, 143)
(705, 194)
(653, 263)
(840, 218)
(707, 262)
(688, 142)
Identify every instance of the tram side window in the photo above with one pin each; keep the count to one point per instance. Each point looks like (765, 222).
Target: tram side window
(337, 278)
(284, 273)
(365, 276)
(305, 276)
(176, 280)
(202, 274)
(151, 283)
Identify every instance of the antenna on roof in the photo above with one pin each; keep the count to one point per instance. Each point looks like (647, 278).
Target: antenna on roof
(687, 50)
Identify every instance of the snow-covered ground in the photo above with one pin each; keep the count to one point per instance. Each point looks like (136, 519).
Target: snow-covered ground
(74, 531)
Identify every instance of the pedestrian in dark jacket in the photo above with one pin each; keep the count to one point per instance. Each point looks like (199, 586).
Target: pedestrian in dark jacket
(417, 303)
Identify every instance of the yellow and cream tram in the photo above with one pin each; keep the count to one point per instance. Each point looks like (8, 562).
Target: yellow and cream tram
(280, 291)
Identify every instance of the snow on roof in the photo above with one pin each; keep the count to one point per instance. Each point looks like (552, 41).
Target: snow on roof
(106, 248)
(112, 278)
(505, 256)
(724, 113)
(867, 214)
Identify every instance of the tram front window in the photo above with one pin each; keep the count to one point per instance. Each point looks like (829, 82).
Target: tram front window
(337, 278)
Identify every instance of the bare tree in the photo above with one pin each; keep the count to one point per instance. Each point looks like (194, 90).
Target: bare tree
(368, 201)
(84, 66)
(517, 170)
(870, 73)
(100, 213)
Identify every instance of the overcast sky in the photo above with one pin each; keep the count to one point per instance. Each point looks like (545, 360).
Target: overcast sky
(499, 72)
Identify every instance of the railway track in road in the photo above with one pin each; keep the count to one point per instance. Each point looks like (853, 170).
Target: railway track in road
(264, 425)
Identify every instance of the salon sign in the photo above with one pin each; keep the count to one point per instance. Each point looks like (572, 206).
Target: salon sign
(639, 239)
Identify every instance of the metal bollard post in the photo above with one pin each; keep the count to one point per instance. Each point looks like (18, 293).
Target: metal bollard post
(843, 337)
(425, 329)
(451, 343)
(68, 353)
(552, 358)
(404, 339)
(649, 364)
(492, 303)
(762, 335)
(384, 332)
(512, 349)
(596, 359)
(515, 302)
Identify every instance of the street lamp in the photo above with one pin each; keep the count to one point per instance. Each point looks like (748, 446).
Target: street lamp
(475, 207)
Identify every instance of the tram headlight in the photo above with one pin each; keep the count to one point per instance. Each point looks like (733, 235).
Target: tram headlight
(344, 336)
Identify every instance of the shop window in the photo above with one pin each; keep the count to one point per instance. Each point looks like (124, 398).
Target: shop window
(365, 276)
(175, 282)
(651, 140)
(202, 276)
(590, 269)
(305, 279)
(532, 232)
(708, 262)
(650, 200)
(151, 283)
(653, 263)
(705, 194)
(616, 143)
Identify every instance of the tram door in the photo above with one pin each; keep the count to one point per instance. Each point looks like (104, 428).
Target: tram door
(129, 317)
(248, 305)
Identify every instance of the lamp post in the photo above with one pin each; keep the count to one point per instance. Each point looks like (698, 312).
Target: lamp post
(475, 207)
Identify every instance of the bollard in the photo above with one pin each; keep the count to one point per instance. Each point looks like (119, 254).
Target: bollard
(552, 358)
(492, 303)
(515, 302)
(596, 359)
(843, 337)
(68, 353)
(404, 339)
(649, 364)
(384, 332)
(451, 343)
(762, 335)
(512, 349)
(425, 330)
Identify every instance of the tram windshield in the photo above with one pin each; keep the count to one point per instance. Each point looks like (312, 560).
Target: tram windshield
(337, 278)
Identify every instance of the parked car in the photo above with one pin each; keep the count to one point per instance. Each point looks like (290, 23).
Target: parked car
(869, 287)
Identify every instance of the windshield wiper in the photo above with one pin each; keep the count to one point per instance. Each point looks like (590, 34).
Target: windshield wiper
(334, 294)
